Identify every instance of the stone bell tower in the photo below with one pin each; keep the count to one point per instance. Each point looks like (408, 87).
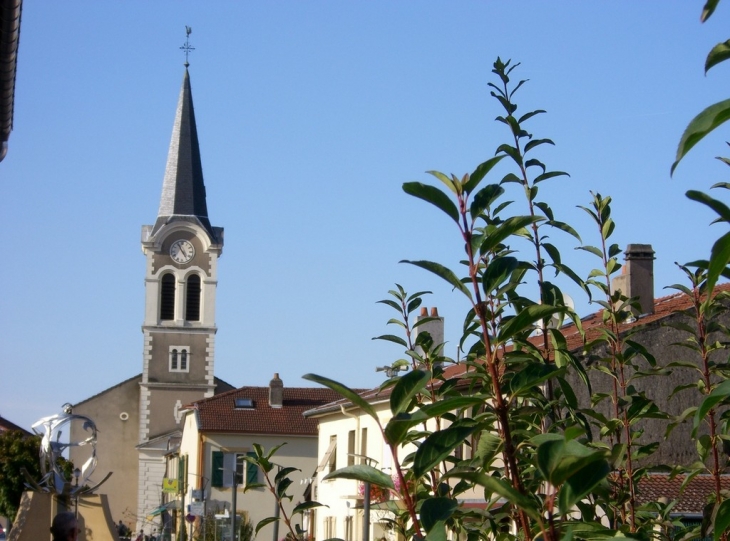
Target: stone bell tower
(181, 251)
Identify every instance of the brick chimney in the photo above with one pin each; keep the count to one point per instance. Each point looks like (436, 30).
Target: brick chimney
(435, 328)
(637, 277)
(276, 392)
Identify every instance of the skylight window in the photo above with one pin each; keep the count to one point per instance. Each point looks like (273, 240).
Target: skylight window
(244, 403)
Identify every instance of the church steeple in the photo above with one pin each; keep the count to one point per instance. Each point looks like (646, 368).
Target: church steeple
(183, 188)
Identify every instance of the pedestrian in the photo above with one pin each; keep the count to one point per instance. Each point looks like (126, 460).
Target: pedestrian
(140, 537)
(65, 527)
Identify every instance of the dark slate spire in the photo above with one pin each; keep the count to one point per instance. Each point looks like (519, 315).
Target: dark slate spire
(183, 190)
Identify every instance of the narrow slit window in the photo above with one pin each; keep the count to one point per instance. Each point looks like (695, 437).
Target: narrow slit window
(192, 301)
(167, 297)
(184, 360)
(173, 359)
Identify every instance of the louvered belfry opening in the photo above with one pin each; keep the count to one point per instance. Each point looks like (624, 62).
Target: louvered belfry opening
(192, 301)
(167, 297)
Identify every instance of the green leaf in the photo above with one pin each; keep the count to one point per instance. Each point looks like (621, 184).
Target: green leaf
(550, 174)
(449, 183)
(709, 9)
(434, 196)
(283, 472)
(582, 483)
(719, 53)
(592, 249)
(700, 126)
(439, 445)
(535, 142)
(406, 388)
(530, 115)
(488, 445)
(390, 303)
(498, 271)
(345, 392)
(509, 227)
(718, 206)
(719, 258)
(565, 228)
(719, 393)
(568, 393)
(265, 522)
(525, 319)
(307, 505)
(364, 473)
(437, 533)
(442, 272)
(500, 487)
(436, 510)
(722, 520)
(398, 425)
(392, 338)
(512, 152)
(532, 375)
(480, 172)
(281, 487)
(559, 459)
(484, 198)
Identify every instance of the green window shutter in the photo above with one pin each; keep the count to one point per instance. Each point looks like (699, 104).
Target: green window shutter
(181, 469)
(217, 467)
(252, 471)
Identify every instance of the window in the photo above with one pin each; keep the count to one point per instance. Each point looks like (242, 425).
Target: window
(192, 298)
(243, 403)
(179, 359)
(223, 465)
(167, 297)
(351, 448)
(330, 525)
(348, 528)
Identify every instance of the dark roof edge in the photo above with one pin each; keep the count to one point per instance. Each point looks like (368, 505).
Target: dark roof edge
(107, 390)
(10, 14)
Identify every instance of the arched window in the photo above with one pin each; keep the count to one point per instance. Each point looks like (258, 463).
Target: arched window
(192, 298)
(167, 297)
(180, 359)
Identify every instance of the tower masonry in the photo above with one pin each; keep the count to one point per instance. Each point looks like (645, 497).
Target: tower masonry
(181, 251)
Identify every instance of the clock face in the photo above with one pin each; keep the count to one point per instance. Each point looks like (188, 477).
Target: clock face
(182, 251)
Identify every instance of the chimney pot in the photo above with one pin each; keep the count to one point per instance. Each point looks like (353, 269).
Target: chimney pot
(637, 277)
(424, 312)
(276, 392)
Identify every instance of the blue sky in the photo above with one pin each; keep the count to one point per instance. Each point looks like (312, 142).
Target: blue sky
(311, 115)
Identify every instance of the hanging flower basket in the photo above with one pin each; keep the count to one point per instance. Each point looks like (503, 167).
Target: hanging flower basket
(377, 494)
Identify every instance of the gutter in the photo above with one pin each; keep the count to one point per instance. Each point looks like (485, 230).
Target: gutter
(10, 11)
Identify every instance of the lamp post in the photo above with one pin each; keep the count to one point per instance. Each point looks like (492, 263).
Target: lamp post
(77, 474)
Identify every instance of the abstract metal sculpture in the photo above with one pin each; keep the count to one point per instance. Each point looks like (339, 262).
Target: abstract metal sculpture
(51, 451)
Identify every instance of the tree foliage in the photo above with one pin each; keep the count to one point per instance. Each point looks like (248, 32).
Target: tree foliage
(507, 423)
(17, 451)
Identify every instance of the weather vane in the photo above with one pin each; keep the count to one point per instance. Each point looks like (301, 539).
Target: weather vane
(187, 48)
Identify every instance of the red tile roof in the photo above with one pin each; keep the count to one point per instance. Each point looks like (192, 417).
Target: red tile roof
(692, 499)
(219, 413)
(663, 308)
(6, 426)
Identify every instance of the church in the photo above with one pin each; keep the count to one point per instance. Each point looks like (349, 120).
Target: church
(139, 420)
